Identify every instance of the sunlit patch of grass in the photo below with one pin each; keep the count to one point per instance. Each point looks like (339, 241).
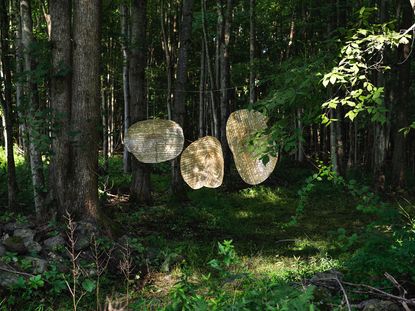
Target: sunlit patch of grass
(261, 193)
(289, 268)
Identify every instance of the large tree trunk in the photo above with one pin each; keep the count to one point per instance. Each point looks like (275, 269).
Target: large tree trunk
(36, 163)
(60, 97)
(85, 106)
(125, 80)
(140, 187)
(7, 103)
(179, 107)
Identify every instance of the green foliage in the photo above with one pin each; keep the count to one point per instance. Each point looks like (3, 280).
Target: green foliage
(368, 201)
(89, 285)
(230, 291)
(296, 82)
(351, 80)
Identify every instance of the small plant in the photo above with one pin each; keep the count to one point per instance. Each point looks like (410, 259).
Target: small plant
(101, 261)
(126, 266)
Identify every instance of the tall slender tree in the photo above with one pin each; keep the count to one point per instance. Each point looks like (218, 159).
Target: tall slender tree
(252, 38)
(6, 102)
(404, 84)
(225, 90)
(212, 84)
(179, 108)
(33, 110)
(124, 12)
(140, 187)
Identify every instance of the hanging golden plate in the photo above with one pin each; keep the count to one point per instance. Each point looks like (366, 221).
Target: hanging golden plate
(202, 163)
(240, 128)
(155, 141)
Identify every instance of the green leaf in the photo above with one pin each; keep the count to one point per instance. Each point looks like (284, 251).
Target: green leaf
(88, 285)
(333, 79)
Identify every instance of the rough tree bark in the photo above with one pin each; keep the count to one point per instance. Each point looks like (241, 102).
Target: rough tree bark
(404, 84)
(36, 164)
(7, 103)
(125, 78)
(60, 98)
(85, 107)
(140, 187)
(178, 113)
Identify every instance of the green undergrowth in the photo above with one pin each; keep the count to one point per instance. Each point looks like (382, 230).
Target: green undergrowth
(339, 224)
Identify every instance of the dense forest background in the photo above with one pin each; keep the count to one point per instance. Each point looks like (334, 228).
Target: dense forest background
(333, 77)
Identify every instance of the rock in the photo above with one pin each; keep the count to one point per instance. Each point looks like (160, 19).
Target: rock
(83, 232)
(33, 247)
(39, 265)
(26, 234)
(54, 243)
(15, 244)
(59, 262)
(380, 305)
(4, 237)
(2, 250)
(328, 278)
(82, 243)
(12, 226)
(7, 279)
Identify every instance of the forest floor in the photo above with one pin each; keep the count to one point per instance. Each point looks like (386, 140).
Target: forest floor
(173, 239)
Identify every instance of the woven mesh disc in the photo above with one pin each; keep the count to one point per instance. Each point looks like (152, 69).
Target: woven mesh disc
(154, 141)
(202, 164)
(241, 125)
